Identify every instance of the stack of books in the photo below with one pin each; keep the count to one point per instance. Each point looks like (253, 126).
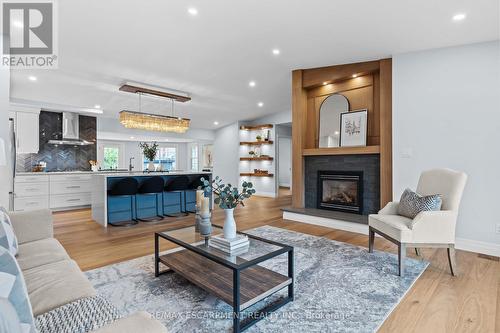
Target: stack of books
(238, 245)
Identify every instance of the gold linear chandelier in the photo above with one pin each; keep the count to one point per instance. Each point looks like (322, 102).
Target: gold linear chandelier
(154, 122)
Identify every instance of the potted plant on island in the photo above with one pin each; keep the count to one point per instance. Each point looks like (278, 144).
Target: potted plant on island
(228, 198)
(149, 151)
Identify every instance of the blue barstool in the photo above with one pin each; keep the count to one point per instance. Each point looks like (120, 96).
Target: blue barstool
(177, 186)
(151, 186)
(126, 187)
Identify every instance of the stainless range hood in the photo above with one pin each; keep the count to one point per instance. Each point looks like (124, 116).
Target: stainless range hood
(70, 129)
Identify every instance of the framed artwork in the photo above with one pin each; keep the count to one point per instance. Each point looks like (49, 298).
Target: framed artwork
(207, 156)
(353, 126)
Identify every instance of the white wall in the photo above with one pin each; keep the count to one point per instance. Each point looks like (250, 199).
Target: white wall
(275, 118)
(132, 149)
(111, 127)
(226, 154)
(5, 174)
(446, 113)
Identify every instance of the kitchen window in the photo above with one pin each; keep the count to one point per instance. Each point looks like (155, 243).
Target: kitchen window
(110, 155)
(166, 157)
(194, 158)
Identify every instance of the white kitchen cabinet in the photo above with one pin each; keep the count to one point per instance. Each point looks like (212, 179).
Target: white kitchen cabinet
(31, 192)
(57, 192)
(27, 132)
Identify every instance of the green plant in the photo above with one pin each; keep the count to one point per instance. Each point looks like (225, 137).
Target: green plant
(149, 150)
(228, 197)
(258, 137)
(251, 153)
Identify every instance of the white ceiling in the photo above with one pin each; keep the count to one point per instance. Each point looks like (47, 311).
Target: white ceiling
(214, 55)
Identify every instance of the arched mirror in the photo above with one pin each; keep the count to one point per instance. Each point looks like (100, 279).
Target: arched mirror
(329, 120)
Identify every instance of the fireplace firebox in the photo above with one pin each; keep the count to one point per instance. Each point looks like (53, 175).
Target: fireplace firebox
(341, 191)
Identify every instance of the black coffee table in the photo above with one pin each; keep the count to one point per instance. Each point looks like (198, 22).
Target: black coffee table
(237, 280)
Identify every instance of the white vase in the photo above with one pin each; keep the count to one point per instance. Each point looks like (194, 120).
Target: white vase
(229, 224)
(151, 166)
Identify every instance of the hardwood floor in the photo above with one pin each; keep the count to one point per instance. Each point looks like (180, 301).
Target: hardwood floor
(437, 302)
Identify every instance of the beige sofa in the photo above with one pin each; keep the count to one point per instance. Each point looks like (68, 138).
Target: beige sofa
(53, 279)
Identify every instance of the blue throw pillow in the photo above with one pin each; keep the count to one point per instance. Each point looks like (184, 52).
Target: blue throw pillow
(8, 238)
(15, 308)
(412, 203)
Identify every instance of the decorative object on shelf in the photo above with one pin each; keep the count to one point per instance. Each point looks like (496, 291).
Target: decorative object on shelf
(153, 122)
(260, 172)
(353, 126)
(267, 135)
(149, 151)
(251, 153)
(94, 165)
(228, 198)
(258, 138)
(329, 120)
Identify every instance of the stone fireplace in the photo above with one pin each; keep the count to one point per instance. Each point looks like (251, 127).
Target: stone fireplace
(341, 191)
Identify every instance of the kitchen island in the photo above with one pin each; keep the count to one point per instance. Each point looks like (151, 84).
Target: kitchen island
(107, 208)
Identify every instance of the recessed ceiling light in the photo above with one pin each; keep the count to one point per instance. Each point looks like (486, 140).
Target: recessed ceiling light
(216, 123)
(276, 51)
(97, 106)
(132, 137)
(252, 83)
(192, 11)
(354, 75)
(32, 78)
(260, 104)
(325, 83)
(459, 17)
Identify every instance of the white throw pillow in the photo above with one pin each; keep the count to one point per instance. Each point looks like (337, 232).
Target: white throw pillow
(8, 238)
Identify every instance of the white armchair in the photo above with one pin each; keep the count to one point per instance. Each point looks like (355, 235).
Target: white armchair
(429, 228)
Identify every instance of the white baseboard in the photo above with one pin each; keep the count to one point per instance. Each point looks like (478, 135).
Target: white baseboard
(471, 245)
(464, 244)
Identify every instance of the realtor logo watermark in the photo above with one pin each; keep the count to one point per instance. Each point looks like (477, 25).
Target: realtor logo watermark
(30, 35)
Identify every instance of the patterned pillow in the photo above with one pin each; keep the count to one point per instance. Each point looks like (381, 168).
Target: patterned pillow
(412, 203)
(15, 308)
(8, 238)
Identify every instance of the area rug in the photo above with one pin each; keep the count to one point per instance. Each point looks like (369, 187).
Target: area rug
(338, 288)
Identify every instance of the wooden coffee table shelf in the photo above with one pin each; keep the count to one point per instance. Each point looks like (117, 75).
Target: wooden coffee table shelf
(256, 282)
(238, 280)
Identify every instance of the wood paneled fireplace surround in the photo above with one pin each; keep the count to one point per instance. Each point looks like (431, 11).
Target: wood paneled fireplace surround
(367, 85)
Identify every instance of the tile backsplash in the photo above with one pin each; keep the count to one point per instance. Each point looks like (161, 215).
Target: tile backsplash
(61, 157)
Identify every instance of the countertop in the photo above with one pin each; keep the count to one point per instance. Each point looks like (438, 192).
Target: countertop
(112, 173)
